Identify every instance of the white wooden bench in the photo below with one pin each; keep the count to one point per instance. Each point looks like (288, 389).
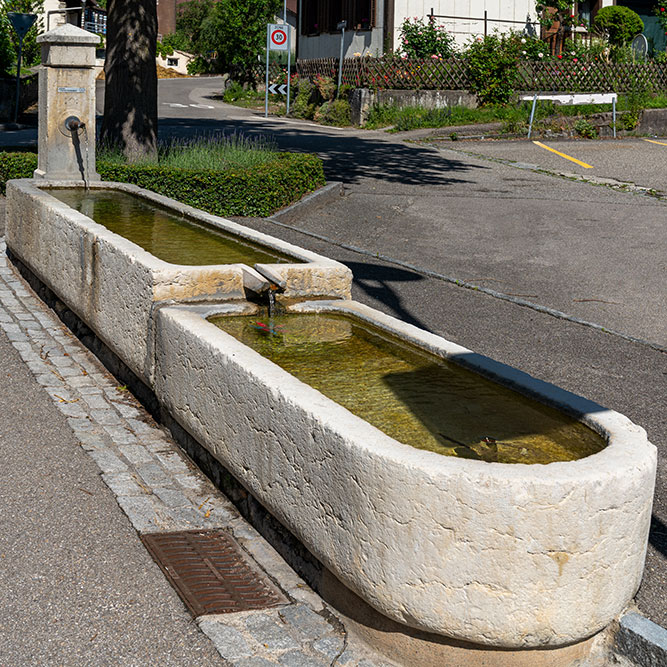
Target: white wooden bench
(573, 98)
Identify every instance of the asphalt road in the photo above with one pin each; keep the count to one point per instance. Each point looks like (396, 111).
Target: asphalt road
(640, 161)
(588, 251)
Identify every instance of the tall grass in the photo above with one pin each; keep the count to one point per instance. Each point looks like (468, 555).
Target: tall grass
(216, 152)
(411, 118)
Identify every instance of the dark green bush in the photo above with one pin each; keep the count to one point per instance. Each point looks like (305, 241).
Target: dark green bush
(334, 112)
(305, 100)
(492, 68)
(7, 54)
(243, 192)
(620, 24)
(585, 129)
(16, 165)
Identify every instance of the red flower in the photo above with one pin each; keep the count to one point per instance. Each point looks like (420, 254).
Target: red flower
(560, 57)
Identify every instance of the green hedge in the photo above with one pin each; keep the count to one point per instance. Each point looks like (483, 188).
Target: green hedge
(258, 191)
(16, 165)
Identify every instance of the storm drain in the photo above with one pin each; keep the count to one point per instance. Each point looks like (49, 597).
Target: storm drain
(210, 572)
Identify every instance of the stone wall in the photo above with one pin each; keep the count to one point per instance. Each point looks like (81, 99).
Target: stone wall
(364, 98)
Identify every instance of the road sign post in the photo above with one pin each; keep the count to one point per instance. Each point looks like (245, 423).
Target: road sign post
(289, 67)
(21, 24)
(277, 39)
(266, 83)
(341, 26)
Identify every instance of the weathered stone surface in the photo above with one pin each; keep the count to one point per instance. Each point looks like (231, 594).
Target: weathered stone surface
(498, 554)
(115, 286)
(67, 89)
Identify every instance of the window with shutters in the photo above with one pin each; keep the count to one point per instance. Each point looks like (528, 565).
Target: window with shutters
(318, 16)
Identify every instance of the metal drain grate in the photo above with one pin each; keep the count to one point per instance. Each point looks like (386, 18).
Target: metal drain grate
(210, 572)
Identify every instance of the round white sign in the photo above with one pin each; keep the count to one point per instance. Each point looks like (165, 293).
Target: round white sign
(278, 38)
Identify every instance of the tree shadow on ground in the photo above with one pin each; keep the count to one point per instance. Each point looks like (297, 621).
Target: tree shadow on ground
(346, 158)
(658, 535)
(375, 281)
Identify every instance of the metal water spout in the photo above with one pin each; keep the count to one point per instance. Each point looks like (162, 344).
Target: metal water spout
(74, 124)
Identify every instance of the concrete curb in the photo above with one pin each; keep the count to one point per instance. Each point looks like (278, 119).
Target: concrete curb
(325, 195)
(642, 641)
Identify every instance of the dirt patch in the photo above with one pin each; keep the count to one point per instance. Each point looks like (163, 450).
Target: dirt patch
(162, 73)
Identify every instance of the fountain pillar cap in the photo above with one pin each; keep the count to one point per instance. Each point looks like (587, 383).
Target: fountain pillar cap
(68, 46)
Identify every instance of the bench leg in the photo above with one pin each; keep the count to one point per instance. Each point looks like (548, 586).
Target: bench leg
(532, 115)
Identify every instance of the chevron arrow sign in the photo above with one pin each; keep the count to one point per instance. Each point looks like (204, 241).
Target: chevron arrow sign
(275, 89)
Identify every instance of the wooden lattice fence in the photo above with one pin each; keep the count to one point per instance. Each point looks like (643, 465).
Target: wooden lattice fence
(394, 73)
(452, 74)
(568, 76)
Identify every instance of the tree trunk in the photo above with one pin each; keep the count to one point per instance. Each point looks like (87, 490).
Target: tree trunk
(130, 102)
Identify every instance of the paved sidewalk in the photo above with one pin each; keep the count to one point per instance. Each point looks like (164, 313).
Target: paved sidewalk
(78, 587)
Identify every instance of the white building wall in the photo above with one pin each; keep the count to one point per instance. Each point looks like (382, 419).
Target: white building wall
(178, 61)
(54, 20)
(465, 29)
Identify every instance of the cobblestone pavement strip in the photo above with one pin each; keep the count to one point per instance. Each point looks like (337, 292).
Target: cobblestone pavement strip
(160, 489)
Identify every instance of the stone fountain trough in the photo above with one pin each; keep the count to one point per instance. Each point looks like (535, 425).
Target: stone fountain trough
(507, 555)
(510, 555)
(116, 287)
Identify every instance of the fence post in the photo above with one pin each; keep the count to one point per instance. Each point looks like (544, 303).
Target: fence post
(485, 23)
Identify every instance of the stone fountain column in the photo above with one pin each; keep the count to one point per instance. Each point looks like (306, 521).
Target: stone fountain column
(66, 131)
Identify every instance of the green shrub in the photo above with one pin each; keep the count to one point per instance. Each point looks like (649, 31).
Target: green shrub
(326, 86)
(304, 104)
(416, 117)
(423, 39)
(381, 115)
(584, 129)
(492, 67)
(7, 54)
(237, 91)
(630, 120)
(258, 191)
(334, 112)
(620, 24)
(16, 165)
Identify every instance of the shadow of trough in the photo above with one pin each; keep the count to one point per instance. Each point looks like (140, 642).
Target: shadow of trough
(375, 280)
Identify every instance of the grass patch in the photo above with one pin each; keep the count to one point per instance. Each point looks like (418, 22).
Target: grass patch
(513, 117)
(248, 98)
(216, 152)
(412, 118)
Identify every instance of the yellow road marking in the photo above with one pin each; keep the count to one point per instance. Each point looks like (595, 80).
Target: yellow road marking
(660, 143)
(567, 157)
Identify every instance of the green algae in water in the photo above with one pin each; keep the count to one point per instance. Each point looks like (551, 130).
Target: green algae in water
(414, 397)
(166, 235)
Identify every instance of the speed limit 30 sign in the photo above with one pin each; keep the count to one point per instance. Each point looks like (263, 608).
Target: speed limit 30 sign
(278, 37)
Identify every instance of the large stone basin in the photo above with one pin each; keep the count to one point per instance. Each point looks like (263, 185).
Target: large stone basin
(115, 286)
(507, 555)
